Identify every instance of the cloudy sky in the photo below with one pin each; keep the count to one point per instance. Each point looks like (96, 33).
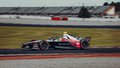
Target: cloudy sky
(33, 3)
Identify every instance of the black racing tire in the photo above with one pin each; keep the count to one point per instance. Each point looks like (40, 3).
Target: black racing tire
(43, 45)
(84, 44)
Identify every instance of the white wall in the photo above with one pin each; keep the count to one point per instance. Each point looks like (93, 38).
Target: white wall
(24, 16)
(69, 18)
(112, 11)
(96, 19)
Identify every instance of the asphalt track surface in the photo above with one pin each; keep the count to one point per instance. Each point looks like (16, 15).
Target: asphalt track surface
(50, 23)
(60, 51)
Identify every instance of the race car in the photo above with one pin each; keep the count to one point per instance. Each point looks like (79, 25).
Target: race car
(65, 42)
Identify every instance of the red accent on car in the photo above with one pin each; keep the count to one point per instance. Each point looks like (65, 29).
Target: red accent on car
(73, 42)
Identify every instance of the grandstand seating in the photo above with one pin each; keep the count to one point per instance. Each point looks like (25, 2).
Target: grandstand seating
(100, 9)
(49, 10)
(5, 10)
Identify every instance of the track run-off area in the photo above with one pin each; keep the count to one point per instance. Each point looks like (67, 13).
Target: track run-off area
(14, 54)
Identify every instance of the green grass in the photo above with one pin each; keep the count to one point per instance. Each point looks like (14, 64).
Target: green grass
(12, 37)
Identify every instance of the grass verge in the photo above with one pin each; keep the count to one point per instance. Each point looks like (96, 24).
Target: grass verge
(12, 37)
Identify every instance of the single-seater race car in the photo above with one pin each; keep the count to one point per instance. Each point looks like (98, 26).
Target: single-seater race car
(65, 42)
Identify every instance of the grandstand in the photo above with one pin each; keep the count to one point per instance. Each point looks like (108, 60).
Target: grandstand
(40, 10)
(52, 11)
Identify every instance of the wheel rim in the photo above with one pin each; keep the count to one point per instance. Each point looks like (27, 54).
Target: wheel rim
(43, 45)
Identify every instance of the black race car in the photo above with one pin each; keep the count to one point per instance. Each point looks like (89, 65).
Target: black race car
(65, 42)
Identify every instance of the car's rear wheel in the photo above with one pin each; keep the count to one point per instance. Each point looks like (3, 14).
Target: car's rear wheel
(43, 45)
(84, 44)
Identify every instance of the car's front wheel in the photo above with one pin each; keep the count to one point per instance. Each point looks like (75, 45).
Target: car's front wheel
(43, 45)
